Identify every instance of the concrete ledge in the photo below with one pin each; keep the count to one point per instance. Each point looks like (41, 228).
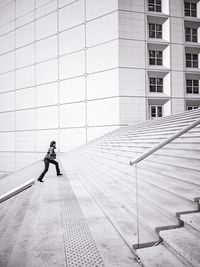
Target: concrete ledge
(16, 190)
(183, 244)
(158, 256)
(192, 223)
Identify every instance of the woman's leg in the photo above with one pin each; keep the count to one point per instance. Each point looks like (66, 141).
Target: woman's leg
(46, 167)
(56, 165)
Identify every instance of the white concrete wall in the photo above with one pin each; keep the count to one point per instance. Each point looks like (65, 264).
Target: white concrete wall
(58, 76)
(72, 70)
(134, 46)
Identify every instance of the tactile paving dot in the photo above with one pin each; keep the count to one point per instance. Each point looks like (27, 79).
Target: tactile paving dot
(80, 248)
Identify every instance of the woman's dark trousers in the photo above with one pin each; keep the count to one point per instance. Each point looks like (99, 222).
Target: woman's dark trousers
(46, 167)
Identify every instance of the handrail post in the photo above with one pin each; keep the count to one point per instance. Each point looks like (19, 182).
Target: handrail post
(137, 203)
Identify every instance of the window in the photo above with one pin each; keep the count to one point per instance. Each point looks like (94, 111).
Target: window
(191, 60)
(190, 35)
(155, 57)
(192, 107)
(192, 86)
(190, 9)
(156, 111)
(155, 30)
(156, 85)
(155, 5)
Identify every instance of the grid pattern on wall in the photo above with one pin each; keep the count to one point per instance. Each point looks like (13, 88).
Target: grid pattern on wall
(72, 70)
(154, 46)
(58, 76)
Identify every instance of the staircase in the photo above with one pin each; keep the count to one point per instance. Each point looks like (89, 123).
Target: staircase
(180, 247)
(163, 204)
(46, 225)
(155, 214)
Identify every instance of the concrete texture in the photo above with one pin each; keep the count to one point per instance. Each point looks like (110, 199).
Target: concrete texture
(192, 223)
(167, 183)
(158, 256)
(183, 244)
(98, 211)
(21, 176)
(32, 228)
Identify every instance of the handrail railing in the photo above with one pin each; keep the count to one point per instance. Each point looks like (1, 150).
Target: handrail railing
(16, 190)
(165, 142)
(147, 154)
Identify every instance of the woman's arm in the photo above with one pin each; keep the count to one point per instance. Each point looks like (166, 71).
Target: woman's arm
(52, 153)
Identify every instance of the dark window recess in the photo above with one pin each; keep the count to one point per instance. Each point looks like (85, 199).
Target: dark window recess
(191, 60)
(156, 85)
(190, 9)
(190, 35)
(156, 111)
(155, 5)
(192, 86)
(192, 107)
(155, 57)
(155, 30)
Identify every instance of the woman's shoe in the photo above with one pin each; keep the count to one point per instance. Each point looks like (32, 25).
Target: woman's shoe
(59, 174)
(40, 180)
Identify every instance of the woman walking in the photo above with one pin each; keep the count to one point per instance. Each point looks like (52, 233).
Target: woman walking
(50, 158)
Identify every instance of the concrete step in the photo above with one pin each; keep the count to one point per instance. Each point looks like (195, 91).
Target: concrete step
(183, 244)
(168, 198)
(192, 223)
(176, 187)
(123, 220)
(158, 131)
(157, 123)
(174, 160)
(158, 256)
(179, 173)
(184, 145)
(183, 189)
(176, 121)
(159, 167)
(161, 127)
(168, 155)
(157, 197)
(134, 151)
(159, 136)
(126, 197)
(133, 145)
(100, 226)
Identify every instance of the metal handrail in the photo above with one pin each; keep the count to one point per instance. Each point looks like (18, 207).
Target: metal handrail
(16, 190)
(165, 142)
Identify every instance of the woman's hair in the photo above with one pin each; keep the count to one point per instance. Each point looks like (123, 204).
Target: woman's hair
(52, 143)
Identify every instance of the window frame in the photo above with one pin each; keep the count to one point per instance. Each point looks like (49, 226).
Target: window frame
(190, 61)
(190, 10)
(155, 84)
(191, 36)
(190, 88)
(155, 6)
(157, 59)
(157, 33)
(156, 111)
(191, 107)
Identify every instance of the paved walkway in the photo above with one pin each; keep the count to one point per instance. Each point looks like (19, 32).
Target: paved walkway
(49, 225)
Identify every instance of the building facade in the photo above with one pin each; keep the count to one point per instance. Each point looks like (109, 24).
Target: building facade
(72, 70)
